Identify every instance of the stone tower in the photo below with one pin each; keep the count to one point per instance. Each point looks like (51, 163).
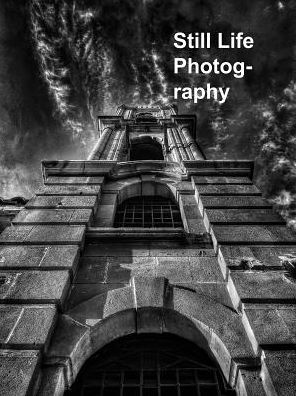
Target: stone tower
(147, 270)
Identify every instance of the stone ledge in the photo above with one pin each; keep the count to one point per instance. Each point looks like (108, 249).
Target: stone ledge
(43, 234)
(62, 202)
(221, 180)
(228, 189)
(74, 190)
(73, 180)
(272, 324)
(253, 235)
(34, 287)
(54, 216)
(39, 257)
(26, 326)
(269, 286)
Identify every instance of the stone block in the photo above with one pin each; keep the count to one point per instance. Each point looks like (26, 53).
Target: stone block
(108, 199)
(53, 381)
(114, 248)
(118, 300)
(34, 286)
(39, 256)
(84, 291)
(221, 180)
(263, 286)
(189, 269)
(70, 345)
(231, 216)
(121, 269)
(228, 189)
(149, 320)
(249, 383)
(19, 372)
(9, 315)
(234, 202)
(249, 234)
(89, 180)
(69, 190)
(255, 256)
(43, 234)
(62, 202)
(57, 216)
(176, 270)
(281, 367)
(15, 234)
(272, 324)
(149, 291)
(220, 323)
(31, 325)
(105, 216)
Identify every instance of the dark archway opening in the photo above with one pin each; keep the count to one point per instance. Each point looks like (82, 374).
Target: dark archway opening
(145, 148)
(150, 365)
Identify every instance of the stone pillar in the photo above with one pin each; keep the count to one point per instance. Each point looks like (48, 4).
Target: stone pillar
(189, 144)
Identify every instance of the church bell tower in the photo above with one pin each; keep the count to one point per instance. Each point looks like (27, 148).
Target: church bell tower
(147, 270)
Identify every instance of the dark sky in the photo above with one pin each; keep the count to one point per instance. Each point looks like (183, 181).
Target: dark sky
(62, 62)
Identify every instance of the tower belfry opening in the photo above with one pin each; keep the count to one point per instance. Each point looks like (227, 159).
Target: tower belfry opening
(147, 270)
(145, 148)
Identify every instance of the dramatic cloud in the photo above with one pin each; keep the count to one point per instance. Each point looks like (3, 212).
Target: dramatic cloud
(64, 61)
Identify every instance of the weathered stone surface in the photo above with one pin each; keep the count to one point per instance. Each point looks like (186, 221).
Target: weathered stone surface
(208, 189)
(39, 256)
(26, 325)
(48, 216)
(281, 366)
(53, 381)
(60, 201)
(145, 248)
(272, 324)
(43, 234)
(17, 234)
(18, 372)
(221, 325)
(9, 314)
(233, 202)
(255, 256)
(149, 291)
(221, 180)
(105, 216)
(118, 300)
(70, 345)
(69, 190)
(34, 286)
(258, 285)
(243, 216)
(85, 291)
(189, 269)
(121, 269)
(253, 234)
(249, 383)
(89, 180)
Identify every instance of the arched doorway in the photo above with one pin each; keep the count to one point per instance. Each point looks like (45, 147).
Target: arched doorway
(150, 365)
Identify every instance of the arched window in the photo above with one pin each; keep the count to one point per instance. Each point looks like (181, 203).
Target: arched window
(145, 148)
(150, 365)
(148, 212)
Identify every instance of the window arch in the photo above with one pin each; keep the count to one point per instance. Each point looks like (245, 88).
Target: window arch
(150, 365)
(151, 211)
